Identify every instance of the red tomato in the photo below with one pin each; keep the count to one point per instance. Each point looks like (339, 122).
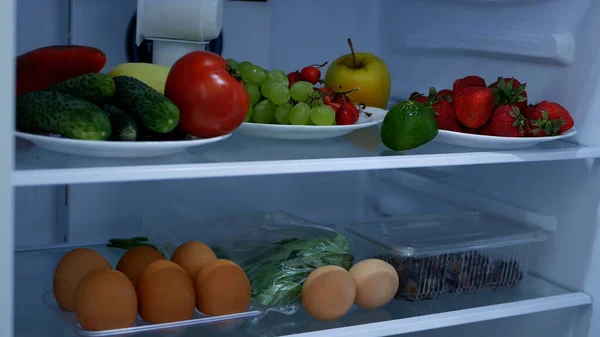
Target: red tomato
(334, 105)
(352, 108)
(293, 77)
(211, 101)
(310, 74)
(325, 90)
(345, 116)
(341, 98)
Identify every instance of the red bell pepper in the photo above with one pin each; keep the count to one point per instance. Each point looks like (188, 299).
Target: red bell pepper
(43, 67)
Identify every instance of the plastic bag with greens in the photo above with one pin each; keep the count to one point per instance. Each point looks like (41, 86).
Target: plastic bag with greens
(278, 271)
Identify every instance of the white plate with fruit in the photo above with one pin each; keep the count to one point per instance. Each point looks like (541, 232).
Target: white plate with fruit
(496, 116)
(293, 107)
(299, 132)
(495, 142)
(115, 149)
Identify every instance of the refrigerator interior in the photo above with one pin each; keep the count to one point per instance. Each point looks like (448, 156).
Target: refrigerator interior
(425, 43)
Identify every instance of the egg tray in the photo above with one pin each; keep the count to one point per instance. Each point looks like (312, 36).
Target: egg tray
(141, 326)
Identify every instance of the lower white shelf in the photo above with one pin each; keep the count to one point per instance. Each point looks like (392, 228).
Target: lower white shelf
(34, 270)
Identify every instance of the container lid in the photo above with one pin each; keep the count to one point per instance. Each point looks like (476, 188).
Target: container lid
(437, 234)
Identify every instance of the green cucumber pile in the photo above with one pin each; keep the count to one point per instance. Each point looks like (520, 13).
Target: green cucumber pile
(97, 107)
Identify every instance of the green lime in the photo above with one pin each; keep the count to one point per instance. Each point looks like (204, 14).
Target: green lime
(408, 125)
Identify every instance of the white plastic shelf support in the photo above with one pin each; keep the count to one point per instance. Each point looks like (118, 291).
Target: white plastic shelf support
(7, 69)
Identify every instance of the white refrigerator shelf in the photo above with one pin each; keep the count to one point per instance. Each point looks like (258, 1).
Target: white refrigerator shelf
(34, 270)
(241, 155)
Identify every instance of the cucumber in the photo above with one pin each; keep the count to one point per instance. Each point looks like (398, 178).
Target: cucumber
(66, 115)
(94, 87)
(148, 135)
(152, 110)
(124, 127)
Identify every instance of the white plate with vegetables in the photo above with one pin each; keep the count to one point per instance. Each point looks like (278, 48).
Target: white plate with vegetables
(300, 132)
(115, 149)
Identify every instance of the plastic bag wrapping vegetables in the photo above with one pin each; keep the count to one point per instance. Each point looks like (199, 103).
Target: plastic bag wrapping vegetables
(277, 273)
(277, 250)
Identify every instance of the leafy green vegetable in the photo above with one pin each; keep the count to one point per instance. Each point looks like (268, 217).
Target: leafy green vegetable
(278, 271)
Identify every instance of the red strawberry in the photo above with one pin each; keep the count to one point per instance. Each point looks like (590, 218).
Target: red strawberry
(471, 131)
(469, 81)
(445, 116)
(507, 121)
(474, 106)
(486, 130)
(529, 110)
(444, 111)
(445, 94)
(418, 97)
(515, 84)
(509, 91)
(549, 119)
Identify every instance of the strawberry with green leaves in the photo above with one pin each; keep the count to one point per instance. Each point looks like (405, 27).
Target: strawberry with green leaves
(507, 121)
(549, 119)
(469, 81)
(444, 111)
(418, 97)
(445, 93)
(474, 106)
(509, 91)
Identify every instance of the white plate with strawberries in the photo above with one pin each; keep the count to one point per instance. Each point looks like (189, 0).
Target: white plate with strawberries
(494, 142)
(495, 117)
(302, 132)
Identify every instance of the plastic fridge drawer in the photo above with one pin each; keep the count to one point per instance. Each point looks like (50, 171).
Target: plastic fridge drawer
(445, 253)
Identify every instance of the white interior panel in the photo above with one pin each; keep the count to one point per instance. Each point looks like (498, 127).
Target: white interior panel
(41, 23)
(103, 211)
(36, 215)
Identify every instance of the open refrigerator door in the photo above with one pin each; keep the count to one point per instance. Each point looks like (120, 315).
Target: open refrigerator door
(334, 198)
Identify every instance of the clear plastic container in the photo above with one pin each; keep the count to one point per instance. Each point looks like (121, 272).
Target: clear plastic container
(249, 239)
(445, 253)
(140, 326)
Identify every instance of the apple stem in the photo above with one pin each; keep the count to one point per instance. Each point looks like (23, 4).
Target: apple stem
(352, 51)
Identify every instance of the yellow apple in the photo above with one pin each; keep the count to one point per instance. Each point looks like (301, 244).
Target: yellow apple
(363, 71)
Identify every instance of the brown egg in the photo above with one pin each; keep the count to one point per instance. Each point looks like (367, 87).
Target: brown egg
(135, 260)
(71, 269)
(192, 256)
(376, 283)
(105, 299)
(328, 293)
(222, 288)
(165, 293)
